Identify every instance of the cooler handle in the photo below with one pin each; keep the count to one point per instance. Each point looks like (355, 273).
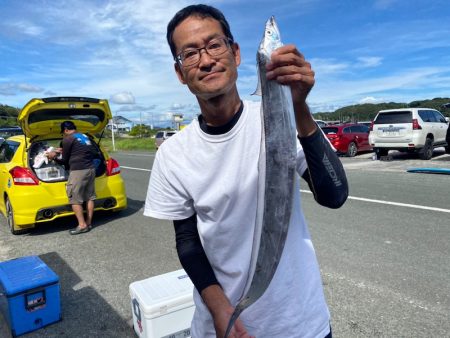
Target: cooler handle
(136, 309)
(34, 300)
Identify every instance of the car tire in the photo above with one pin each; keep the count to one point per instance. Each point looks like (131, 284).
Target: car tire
(352, 149)
(10, 219)
(427, 151)
(380, 152)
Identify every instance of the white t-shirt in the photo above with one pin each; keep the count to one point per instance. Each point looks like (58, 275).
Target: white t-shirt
(216, 176)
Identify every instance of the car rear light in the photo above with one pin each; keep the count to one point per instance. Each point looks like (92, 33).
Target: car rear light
(23, 176)
(112, 167)
(371, 126)
(416, 125)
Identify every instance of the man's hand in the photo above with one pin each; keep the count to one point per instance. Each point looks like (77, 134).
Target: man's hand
(289, 67)
(54, 153)
(221, 311)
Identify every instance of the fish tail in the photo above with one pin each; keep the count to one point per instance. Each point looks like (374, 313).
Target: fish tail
(234, 317)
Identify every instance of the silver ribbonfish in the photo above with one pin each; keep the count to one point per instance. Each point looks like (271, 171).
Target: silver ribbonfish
(277, 165)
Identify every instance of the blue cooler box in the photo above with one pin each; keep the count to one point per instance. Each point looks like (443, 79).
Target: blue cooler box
(29, 294)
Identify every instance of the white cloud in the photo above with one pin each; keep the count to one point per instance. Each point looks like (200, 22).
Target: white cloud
(12, 88)
(367, 62)
(327, 66)
(370, 99)
(123, 98)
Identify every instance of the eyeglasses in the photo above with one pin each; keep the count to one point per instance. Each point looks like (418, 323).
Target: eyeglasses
(215, 47)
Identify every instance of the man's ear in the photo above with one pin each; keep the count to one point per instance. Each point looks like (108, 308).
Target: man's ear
(236, 52)
(179, 72)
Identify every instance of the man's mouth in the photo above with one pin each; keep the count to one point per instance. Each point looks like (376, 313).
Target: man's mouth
(208, 75)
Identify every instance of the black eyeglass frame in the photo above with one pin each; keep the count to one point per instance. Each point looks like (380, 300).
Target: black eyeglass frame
(228, 42)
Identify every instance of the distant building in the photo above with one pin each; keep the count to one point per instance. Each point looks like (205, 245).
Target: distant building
(121, 124)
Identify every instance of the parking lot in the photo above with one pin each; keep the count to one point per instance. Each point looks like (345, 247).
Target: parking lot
(384, 255)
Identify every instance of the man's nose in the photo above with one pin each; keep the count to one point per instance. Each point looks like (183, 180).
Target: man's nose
(205, 58)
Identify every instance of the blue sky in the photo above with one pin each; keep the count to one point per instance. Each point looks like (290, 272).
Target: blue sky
(362, 51)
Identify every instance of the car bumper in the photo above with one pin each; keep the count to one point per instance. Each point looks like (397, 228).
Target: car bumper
(48, 202)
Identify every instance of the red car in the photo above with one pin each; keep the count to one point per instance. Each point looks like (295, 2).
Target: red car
(348, 138)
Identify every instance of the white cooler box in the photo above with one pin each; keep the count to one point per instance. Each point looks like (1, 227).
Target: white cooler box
(163, 306)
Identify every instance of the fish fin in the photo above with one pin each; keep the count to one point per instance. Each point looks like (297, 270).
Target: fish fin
(258, 90)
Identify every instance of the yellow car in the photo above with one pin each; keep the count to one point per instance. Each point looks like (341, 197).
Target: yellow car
(32, 188)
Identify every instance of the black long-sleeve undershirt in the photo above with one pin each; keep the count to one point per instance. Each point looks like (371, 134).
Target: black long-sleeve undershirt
(326, 178)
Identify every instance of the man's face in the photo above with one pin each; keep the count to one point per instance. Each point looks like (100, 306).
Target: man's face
(211, 76)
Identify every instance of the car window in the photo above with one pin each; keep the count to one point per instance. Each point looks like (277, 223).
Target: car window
(170, 134)
(93, 116)
(6, 132)
(159, 134)
(394, 117)
(363, 128)
(330, 130)
(438, 116)
(427, 116)
(7, 151)
(347, 130)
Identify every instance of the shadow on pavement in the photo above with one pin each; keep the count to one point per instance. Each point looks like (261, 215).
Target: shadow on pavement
(100, 218)
(85, 313)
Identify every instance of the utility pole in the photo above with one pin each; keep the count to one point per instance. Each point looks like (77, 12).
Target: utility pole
(112, 133)
(140, 129)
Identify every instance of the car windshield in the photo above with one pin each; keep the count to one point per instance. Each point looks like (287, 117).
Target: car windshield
(330, 130)
(394, 117)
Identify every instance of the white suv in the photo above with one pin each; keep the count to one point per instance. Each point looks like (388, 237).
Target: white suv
(409, 129)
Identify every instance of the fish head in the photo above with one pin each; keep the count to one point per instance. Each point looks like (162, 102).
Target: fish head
(271, 39)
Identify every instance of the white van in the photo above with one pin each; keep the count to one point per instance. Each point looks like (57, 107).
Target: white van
(163, 135)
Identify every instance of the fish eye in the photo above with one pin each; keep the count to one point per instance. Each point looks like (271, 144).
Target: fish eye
(269, 32)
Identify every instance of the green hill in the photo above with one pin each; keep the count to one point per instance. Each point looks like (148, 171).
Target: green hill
(358, 112)
(8, 115)
(367, 111)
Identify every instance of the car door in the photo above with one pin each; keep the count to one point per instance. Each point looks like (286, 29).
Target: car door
(7, 151)
(363, 135)
(358, 137)
(441, 126)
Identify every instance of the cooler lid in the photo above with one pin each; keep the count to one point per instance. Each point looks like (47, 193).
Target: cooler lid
(164, 293)
(25, 273)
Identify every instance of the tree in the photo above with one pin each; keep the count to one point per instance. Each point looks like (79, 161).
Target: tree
(140, 130)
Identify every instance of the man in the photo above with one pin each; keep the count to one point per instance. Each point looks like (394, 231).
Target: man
(205, 179)
(77, 156)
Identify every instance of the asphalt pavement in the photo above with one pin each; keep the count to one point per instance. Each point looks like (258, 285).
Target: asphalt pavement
(384, 255)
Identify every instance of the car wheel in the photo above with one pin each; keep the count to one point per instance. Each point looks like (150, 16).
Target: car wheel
(380, 152)
(10, 219)
(352, 149)
(427, 150)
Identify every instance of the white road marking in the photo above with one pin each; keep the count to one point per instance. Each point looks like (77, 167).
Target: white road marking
(414, 206)
(406, 205)
(132, 168)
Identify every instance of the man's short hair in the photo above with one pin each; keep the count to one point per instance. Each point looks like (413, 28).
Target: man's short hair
(68, 125)
(201, 11)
